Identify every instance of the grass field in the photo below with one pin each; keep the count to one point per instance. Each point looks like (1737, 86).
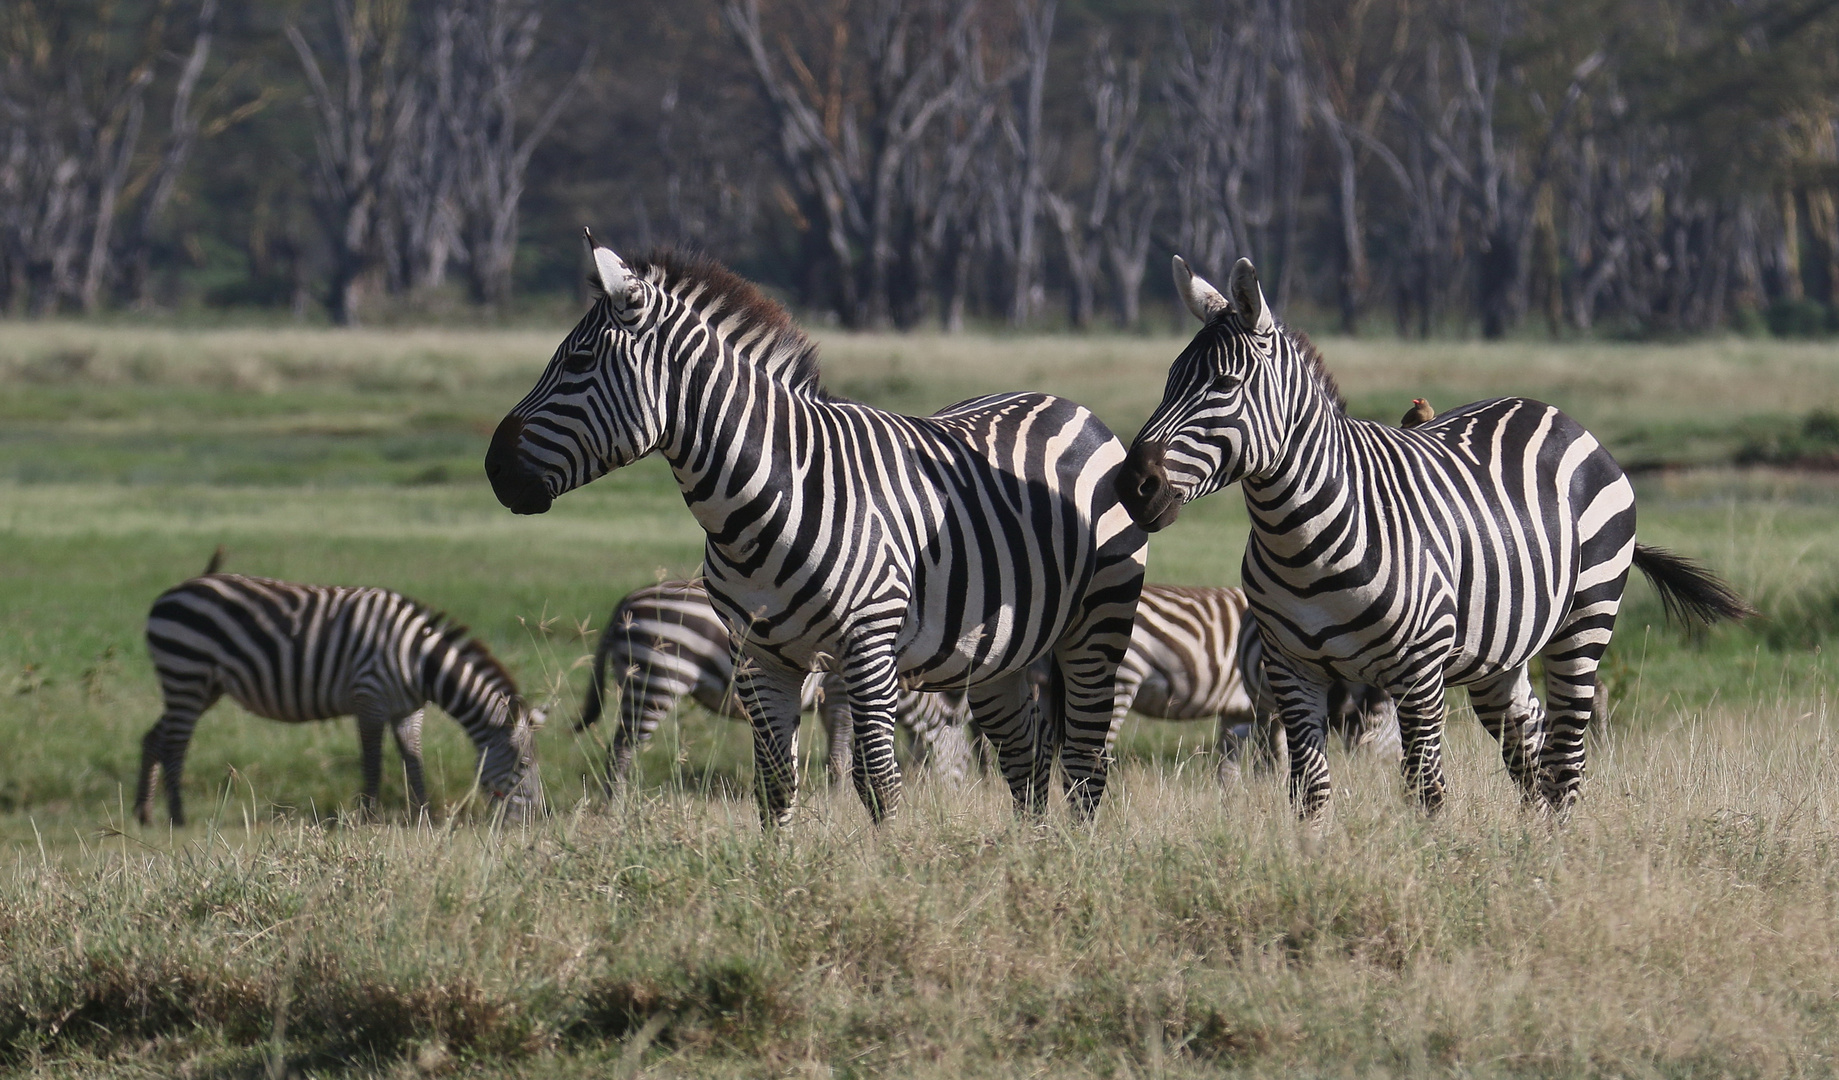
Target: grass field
(1683, 924)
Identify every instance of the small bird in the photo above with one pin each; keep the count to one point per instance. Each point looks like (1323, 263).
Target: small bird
(1419, 413)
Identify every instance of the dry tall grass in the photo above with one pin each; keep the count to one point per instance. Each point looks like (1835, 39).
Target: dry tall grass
(1682, 923)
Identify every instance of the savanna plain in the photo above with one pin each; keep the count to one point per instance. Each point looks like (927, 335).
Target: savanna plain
(1683, 922)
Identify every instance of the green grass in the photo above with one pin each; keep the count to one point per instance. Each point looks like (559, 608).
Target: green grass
(1681, 924)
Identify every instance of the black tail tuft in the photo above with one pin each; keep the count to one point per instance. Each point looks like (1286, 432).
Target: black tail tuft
(594, 700)
(1688, 591)
(216, 561)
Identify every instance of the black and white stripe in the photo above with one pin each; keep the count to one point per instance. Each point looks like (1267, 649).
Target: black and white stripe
(310, 652)
(940, 552)
(664, 643)
(1363, 716)
(1448, 554)
(1195, 654)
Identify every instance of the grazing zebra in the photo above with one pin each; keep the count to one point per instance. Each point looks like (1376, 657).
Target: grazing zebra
(310, 652)
(1183, 661)
(1365, 717)
(928, 552)
(664, 643)
(1448, 554)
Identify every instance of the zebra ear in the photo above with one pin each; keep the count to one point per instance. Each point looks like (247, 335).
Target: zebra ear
(1201, 297)
(614, 277)
(1248, 297)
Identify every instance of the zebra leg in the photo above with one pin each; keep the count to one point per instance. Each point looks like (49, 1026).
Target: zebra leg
(838, 727)
(1230, 742)
(1088, 657)
(1571, 661)
(1420, 728)
(370, 747)
(1302, 705)
(408, 745)
(1512, 714)
(1128, 681)
(772, 696)
(163, 749)
(872, 681)
(1008, 714)
(641, 709)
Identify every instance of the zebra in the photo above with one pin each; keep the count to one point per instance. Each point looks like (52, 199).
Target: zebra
(1195, 654)
(1182, 663)
(312, 652)
(1447, 554)
(664, 642)
(928, 552)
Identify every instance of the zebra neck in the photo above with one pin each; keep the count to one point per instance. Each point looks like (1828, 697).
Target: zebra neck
(736, 439)
(1295, 502)
(466, 688)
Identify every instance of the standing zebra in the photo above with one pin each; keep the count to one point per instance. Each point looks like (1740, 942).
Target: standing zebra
(928, 552)
(1447, 554)
(310, 652)
(664, 643)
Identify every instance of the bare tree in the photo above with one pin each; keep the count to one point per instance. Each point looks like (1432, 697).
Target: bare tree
(1106, 221)
(1234, 170)
(182, 135)
(72, 125)
(1027, 141)
(356, 129)
(846, 139)
(418, 216)
(495, 42)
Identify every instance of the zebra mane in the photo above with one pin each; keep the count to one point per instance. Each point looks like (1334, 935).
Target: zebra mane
(744, 314)
(1313, 363)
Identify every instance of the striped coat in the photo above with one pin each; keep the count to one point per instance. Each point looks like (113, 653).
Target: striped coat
(299, 653)
(1449, 554)
(943, 552)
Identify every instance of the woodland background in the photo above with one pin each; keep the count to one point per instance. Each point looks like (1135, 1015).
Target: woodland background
(1424, 167)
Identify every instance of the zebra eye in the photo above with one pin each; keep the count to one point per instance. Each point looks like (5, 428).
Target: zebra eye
(579, 361)
(1223, 383)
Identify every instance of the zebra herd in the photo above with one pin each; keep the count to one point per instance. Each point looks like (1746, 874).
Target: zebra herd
(982, 568)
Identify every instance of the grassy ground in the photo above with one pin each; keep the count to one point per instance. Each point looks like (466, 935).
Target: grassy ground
(1681, 925)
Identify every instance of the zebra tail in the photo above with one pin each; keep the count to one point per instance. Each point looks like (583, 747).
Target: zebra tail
(1688, 591)
(216, 561)
(1053, 710)
(594, 700)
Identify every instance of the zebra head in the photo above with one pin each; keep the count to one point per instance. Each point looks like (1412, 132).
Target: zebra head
(1215, 424)
(507, 758)
(597, 405)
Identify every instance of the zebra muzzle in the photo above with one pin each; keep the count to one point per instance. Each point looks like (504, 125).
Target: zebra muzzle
(1143, 487)
(519, 487)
